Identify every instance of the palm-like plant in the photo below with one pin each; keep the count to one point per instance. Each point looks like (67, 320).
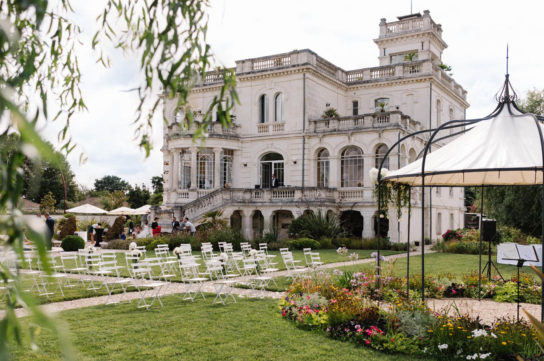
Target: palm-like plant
(315, 226)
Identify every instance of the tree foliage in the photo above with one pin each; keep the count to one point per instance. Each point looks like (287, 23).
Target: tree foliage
(157, 184)
(112, 200)
(47, 203)
(111, 183)
(138, 196)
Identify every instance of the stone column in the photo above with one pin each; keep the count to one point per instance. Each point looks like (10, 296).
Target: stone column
(247, 224)
(194, 169)
(368, 224)
(267, 219)
(174, 169)
(334, 172)
(217, 168)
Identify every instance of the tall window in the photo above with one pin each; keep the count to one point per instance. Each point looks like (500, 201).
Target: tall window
(381, 104)
(278, 108)
(184, 170)
(263, 109)
(205, 169)
(352, 167)
(355, 107)
(452, 223)
(226, 167)
(439, 223)
(323, 168)
(271, 164)
(380, 153)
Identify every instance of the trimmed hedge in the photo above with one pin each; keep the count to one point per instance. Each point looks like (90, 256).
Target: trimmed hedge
(69, 227)
(304, 243)
(72, 243)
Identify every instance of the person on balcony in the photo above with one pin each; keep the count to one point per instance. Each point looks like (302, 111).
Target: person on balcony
(274, 182)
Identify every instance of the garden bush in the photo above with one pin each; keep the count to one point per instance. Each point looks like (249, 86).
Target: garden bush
(303, 243)
(227, 235)
(115, 230)
(72, 243)
(176, 239)
(325, 243)
(117, 244)
(461, 247)
(315, 226)
(69, 226)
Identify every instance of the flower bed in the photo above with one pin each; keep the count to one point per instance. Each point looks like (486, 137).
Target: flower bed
(407, 327)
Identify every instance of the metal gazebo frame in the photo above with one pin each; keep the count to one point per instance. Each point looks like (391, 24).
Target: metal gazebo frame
(506, 97)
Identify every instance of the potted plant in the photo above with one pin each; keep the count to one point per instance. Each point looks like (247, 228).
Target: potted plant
(330, 113)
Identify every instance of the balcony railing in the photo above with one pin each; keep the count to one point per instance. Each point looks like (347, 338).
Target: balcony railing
(364, 121)
(273, 127)
(177, 130)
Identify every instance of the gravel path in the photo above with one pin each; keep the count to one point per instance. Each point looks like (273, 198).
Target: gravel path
(487, 310)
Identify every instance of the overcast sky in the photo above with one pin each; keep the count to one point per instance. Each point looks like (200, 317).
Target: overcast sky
(340, 31)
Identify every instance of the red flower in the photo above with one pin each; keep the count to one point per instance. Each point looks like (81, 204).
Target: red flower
(367, 342)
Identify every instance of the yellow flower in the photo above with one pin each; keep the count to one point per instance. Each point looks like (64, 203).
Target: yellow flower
(524, 335)
(469, 336)
(503, 332)
(504, 343)
(451, 334)
(430, 331)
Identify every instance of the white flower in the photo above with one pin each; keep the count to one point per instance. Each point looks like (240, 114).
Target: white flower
(472, 357)
(253, 252)
(337, 272)
(354, 256)
(374, 254)
(177, 251)
(224, 257)
(479, 332)
(493, 335)
(443, 347)
(373, 175)
(385, 172)
(485, 355)
(342, 250)
(91, 249)
(132, 246)
(136, 253)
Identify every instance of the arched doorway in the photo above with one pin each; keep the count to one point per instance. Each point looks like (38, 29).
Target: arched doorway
(236, 221)
(270, 163)
(352, 223)
(281, 221)
(384, 224)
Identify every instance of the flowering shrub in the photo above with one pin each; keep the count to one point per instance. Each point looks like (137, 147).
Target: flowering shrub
(450, 235)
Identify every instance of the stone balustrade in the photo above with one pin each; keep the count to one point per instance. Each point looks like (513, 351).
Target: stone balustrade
(364, 121)
(177, 130)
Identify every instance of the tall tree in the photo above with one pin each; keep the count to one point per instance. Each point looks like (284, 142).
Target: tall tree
(111, 183)
(138, 197)
(39, 64)
(157, 184)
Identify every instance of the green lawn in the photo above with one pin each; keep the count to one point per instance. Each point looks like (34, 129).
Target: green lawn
(248, 330)
(437, 263)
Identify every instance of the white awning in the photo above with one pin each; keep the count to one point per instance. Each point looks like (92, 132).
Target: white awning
(121, 211)
(86, 209)
(503, 150)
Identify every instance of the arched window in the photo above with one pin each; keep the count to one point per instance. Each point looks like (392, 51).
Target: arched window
(263, 109)
(205, 164)
(323, 168)
(451, 113)
(380, 153)
(184, 170)
(226, 168)
(381, 104)
(278, 108)
(412, 155)
(352, 167)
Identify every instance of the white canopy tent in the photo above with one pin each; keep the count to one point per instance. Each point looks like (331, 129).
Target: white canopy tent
(86, 209)
(502, 150)
(142, 210)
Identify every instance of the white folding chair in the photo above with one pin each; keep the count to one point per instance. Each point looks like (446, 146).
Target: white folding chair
(191, 276)
(140, 274)
(223, 285)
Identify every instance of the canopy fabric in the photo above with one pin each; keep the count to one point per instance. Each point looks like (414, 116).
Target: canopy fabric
(86, 209)
(142, 210)
(503, 150)
(121, 211)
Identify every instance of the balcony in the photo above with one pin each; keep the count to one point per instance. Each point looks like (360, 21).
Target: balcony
(368, 121)
(179, 130)
(410, 24)
(266, 128)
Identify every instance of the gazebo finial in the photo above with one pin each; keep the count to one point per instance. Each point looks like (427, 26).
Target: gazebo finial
(507, 94)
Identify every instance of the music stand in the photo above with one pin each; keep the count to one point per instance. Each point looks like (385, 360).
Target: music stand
(521, 254)
(490, 263)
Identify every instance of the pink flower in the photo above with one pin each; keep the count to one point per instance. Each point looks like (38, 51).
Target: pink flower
(367, 342)
(308, 297)
(454, 292)
(359, 330)
(283, 313)
(292, 302)
(333, 301)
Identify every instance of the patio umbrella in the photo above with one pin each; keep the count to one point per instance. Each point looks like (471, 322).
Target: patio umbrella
(121, 211)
